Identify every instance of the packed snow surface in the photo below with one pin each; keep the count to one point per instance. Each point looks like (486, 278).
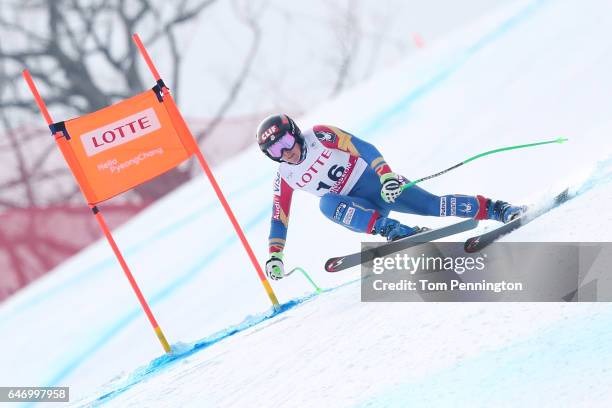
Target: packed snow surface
(536, 70)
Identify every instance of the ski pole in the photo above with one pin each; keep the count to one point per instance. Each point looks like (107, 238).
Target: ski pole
(501, 149)
(314, 285)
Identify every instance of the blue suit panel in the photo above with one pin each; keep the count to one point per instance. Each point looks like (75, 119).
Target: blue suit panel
(363, 205)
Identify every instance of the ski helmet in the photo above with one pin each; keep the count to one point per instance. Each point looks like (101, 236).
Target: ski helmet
(272, 130)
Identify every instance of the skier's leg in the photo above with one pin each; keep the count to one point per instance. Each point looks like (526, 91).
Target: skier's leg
(419, 201)
(361, 215)
(416, 200)
(354, 213)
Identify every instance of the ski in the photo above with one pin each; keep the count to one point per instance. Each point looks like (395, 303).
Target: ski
(478, 242)
(344, 262)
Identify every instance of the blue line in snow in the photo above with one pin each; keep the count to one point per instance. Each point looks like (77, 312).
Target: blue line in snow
(561, 358)
(181, 351)
(384, 118)
(135, 313)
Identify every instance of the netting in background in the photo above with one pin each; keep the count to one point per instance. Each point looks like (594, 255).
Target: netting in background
(35, 240)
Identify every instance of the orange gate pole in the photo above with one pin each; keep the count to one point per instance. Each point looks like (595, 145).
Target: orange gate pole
(105, 230)
(216, 187)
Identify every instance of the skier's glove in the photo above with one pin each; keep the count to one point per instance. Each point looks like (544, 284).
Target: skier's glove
(274, 267)
(391, 186)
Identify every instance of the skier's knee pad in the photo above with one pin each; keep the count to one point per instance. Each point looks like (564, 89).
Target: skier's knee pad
(354, 213)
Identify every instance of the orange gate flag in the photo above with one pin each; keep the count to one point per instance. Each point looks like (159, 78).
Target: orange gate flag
(115, 149)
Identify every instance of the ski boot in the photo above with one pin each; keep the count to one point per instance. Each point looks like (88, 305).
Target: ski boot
(394, 230)
(503, 211)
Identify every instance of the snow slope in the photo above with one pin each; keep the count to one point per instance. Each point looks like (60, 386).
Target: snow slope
(532, 71)
(336, 351)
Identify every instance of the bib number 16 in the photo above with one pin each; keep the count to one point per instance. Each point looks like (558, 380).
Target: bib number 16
(334, 174)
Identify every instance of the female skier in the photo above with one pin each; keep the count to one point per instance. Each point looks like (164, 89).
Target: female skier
(357, 187)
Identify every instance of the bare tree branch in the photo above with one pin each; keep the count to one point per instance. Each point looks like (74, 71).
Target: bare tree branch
(348, 37)
(24, 176)
(62, 56)
(15, 262)
(251, 21)
(40, 176)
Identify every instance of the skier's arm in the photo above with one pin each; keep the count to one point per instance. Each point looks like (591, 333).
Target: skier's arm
(391, 183)
(278, 228)
(280, 215)
(334, 137)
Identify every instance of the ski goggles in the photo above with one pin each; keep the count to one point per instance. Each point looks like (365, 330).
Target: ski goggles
(286, 142)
